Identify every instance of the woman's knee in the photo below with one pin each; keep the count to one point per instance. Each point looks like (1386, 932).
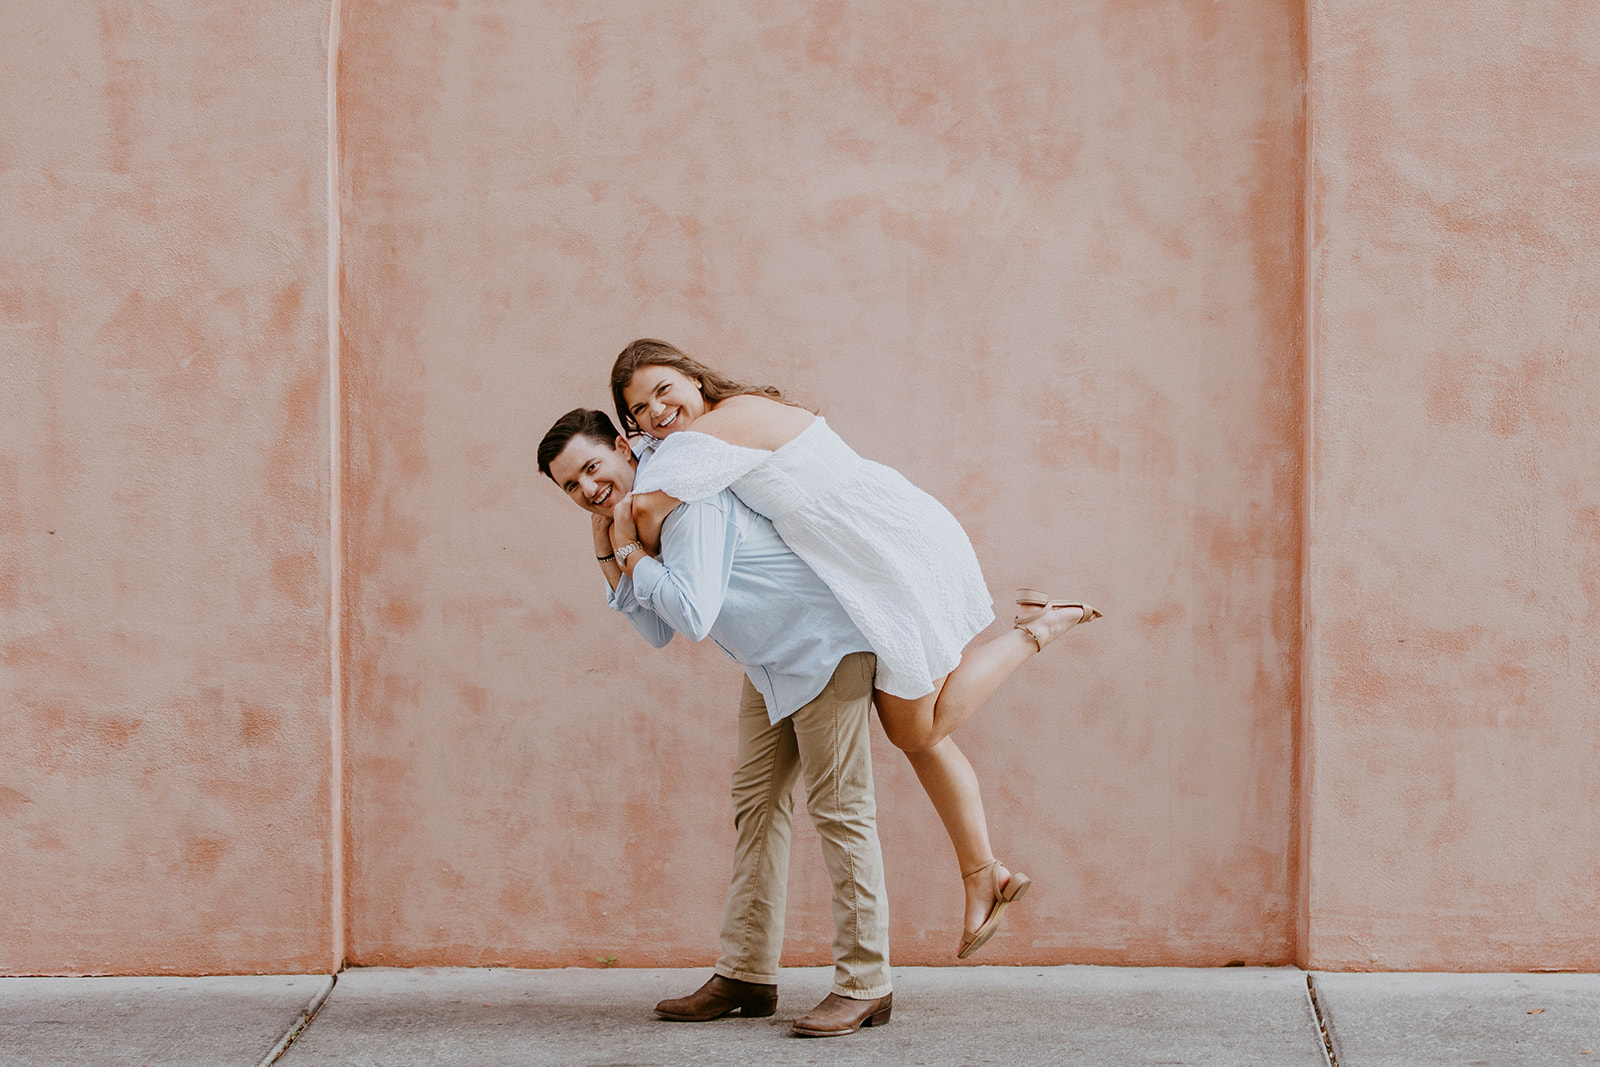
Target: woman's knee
(910, 737)
(909, 724)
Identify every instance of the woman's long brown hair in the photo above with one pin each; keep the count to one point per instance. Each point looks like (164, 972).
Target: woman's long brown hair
(648, 352)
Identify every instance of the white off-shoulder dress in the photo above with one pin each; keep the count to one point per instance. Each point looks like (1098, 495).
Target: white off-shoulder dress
(898, 561)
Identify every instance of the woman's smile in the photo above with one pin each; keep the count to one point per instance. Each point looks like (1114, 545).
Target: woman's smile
(663, 400)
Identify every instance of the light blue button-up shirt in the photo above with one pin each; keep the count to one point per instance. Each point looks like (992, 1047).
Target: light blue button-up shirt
(724, 573)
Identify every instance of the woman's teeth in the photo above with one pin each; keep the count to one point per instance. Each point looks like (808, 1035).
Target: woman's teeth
(664, 423)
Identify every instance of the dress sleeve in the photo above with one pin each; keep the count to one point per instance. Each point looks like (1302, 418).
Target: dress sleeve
(695, 466)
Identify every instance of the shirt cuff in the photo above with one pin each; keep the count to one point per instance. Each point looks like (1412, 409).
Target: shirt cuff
(622, 598)
(647, 574)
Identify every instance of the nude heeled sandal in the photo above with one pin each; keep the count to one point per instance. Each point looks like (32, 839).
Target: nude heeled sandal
(1033, 598)
(1016, 885)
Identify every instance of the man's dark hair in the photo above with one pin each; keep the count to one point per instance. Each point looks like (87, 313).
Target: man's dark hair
(585, 421)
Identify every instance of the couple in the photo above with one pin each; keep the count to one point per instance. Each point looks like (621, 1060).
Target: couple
(836, 584)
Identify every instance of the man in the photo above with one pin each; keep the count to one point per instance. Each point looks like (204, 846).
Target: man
(721, 571)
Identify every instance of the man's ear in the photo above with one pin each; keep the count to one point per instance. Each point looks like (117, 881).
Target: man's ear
(622, 445)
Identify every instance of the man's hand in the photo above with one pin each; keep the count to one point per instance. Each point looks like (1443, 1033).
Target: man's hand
(623, 529)
(602, 533)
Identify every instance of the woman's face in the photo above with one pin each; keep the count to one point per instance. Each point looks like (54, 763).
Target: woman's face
(663, 400)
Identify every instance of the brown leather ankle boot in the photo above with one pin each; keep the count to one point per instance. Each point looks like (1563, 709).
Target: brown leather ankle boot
(721, 996)
(837, 1016)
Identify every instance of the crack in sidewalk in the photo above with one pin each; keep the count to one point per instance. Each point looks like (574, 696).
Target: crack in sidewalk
(1322, 1021)
(310, 1012)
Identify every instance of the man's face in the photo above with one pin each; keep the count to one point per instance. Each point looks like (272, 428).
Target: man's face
(596, 475)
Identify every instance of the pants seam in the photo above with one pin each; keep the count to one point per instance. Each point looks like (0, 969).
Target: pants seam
(838, 810)
(761, 850)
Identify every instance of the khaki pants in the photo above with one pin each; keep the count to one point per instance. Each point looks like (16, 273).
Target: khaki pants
(827, 742)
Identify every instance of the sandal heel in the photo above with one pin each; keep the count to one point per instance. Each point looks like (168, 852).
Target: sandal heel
(1016, 887)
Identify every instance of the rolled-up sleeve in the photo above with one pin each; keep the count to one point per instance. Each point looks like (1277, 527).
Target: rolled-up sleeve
(652, 627)
(686, 587)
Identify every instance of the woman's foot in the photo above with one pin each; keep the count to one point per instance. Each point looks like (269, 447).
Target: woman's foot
(983, 889)
(989, 889)
(1044, 625)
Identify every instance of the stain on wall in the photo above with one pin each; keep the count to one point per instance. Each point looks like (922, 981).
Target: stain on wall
(163, 502)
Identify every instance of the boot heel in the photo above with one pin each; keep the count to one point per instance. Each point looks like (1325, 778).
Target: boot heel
(760, 1010)
(879, 1017)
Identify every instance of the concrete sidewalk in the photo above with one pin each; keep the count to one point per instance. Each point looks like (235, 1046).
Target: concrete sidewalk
(944, 1016)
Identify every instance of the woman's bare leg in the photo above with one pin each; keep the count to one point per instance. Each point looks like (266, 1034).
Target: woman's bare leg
(952, 785)
(920, 724)
(921, 729)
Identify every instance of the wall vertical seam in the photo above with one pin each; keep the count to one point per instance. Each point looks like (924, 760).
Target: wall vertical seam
(337, 837)
(1304, 754)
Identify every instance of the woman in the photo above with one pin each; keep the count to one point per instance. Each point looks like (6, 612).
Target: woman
(897, 560)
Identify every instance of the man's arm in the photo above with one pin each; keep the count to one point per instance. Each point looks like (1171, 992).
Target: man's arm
(603, 552)
(687, 585)
(652, 627)
(619, 597)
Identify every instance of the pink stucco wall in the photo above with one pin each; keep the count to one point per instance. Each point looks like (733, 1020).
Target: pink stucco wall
(1454, 549)
(1268, 327)
(164, 650)
(1043, 260)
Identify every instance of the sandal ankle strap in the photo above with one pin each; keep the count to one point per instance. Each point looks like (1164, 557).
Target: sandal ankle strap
(1027, 628)
(980, 870)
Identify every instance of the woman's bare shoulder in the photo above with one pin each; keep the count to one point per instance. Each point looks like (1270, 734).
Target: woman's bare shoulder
(754, 422)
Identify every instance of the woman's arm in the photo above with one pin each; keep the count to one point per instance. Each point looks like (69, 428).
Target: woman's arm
(649, 512)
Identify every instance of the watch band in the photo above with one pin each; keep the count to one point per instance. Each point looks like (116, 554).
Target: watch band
(624, 551)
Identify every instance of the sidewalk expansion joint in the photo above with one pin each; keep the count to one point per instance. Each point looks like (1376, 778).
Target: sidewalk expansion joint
(1322, 1021)
(301, 1023)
